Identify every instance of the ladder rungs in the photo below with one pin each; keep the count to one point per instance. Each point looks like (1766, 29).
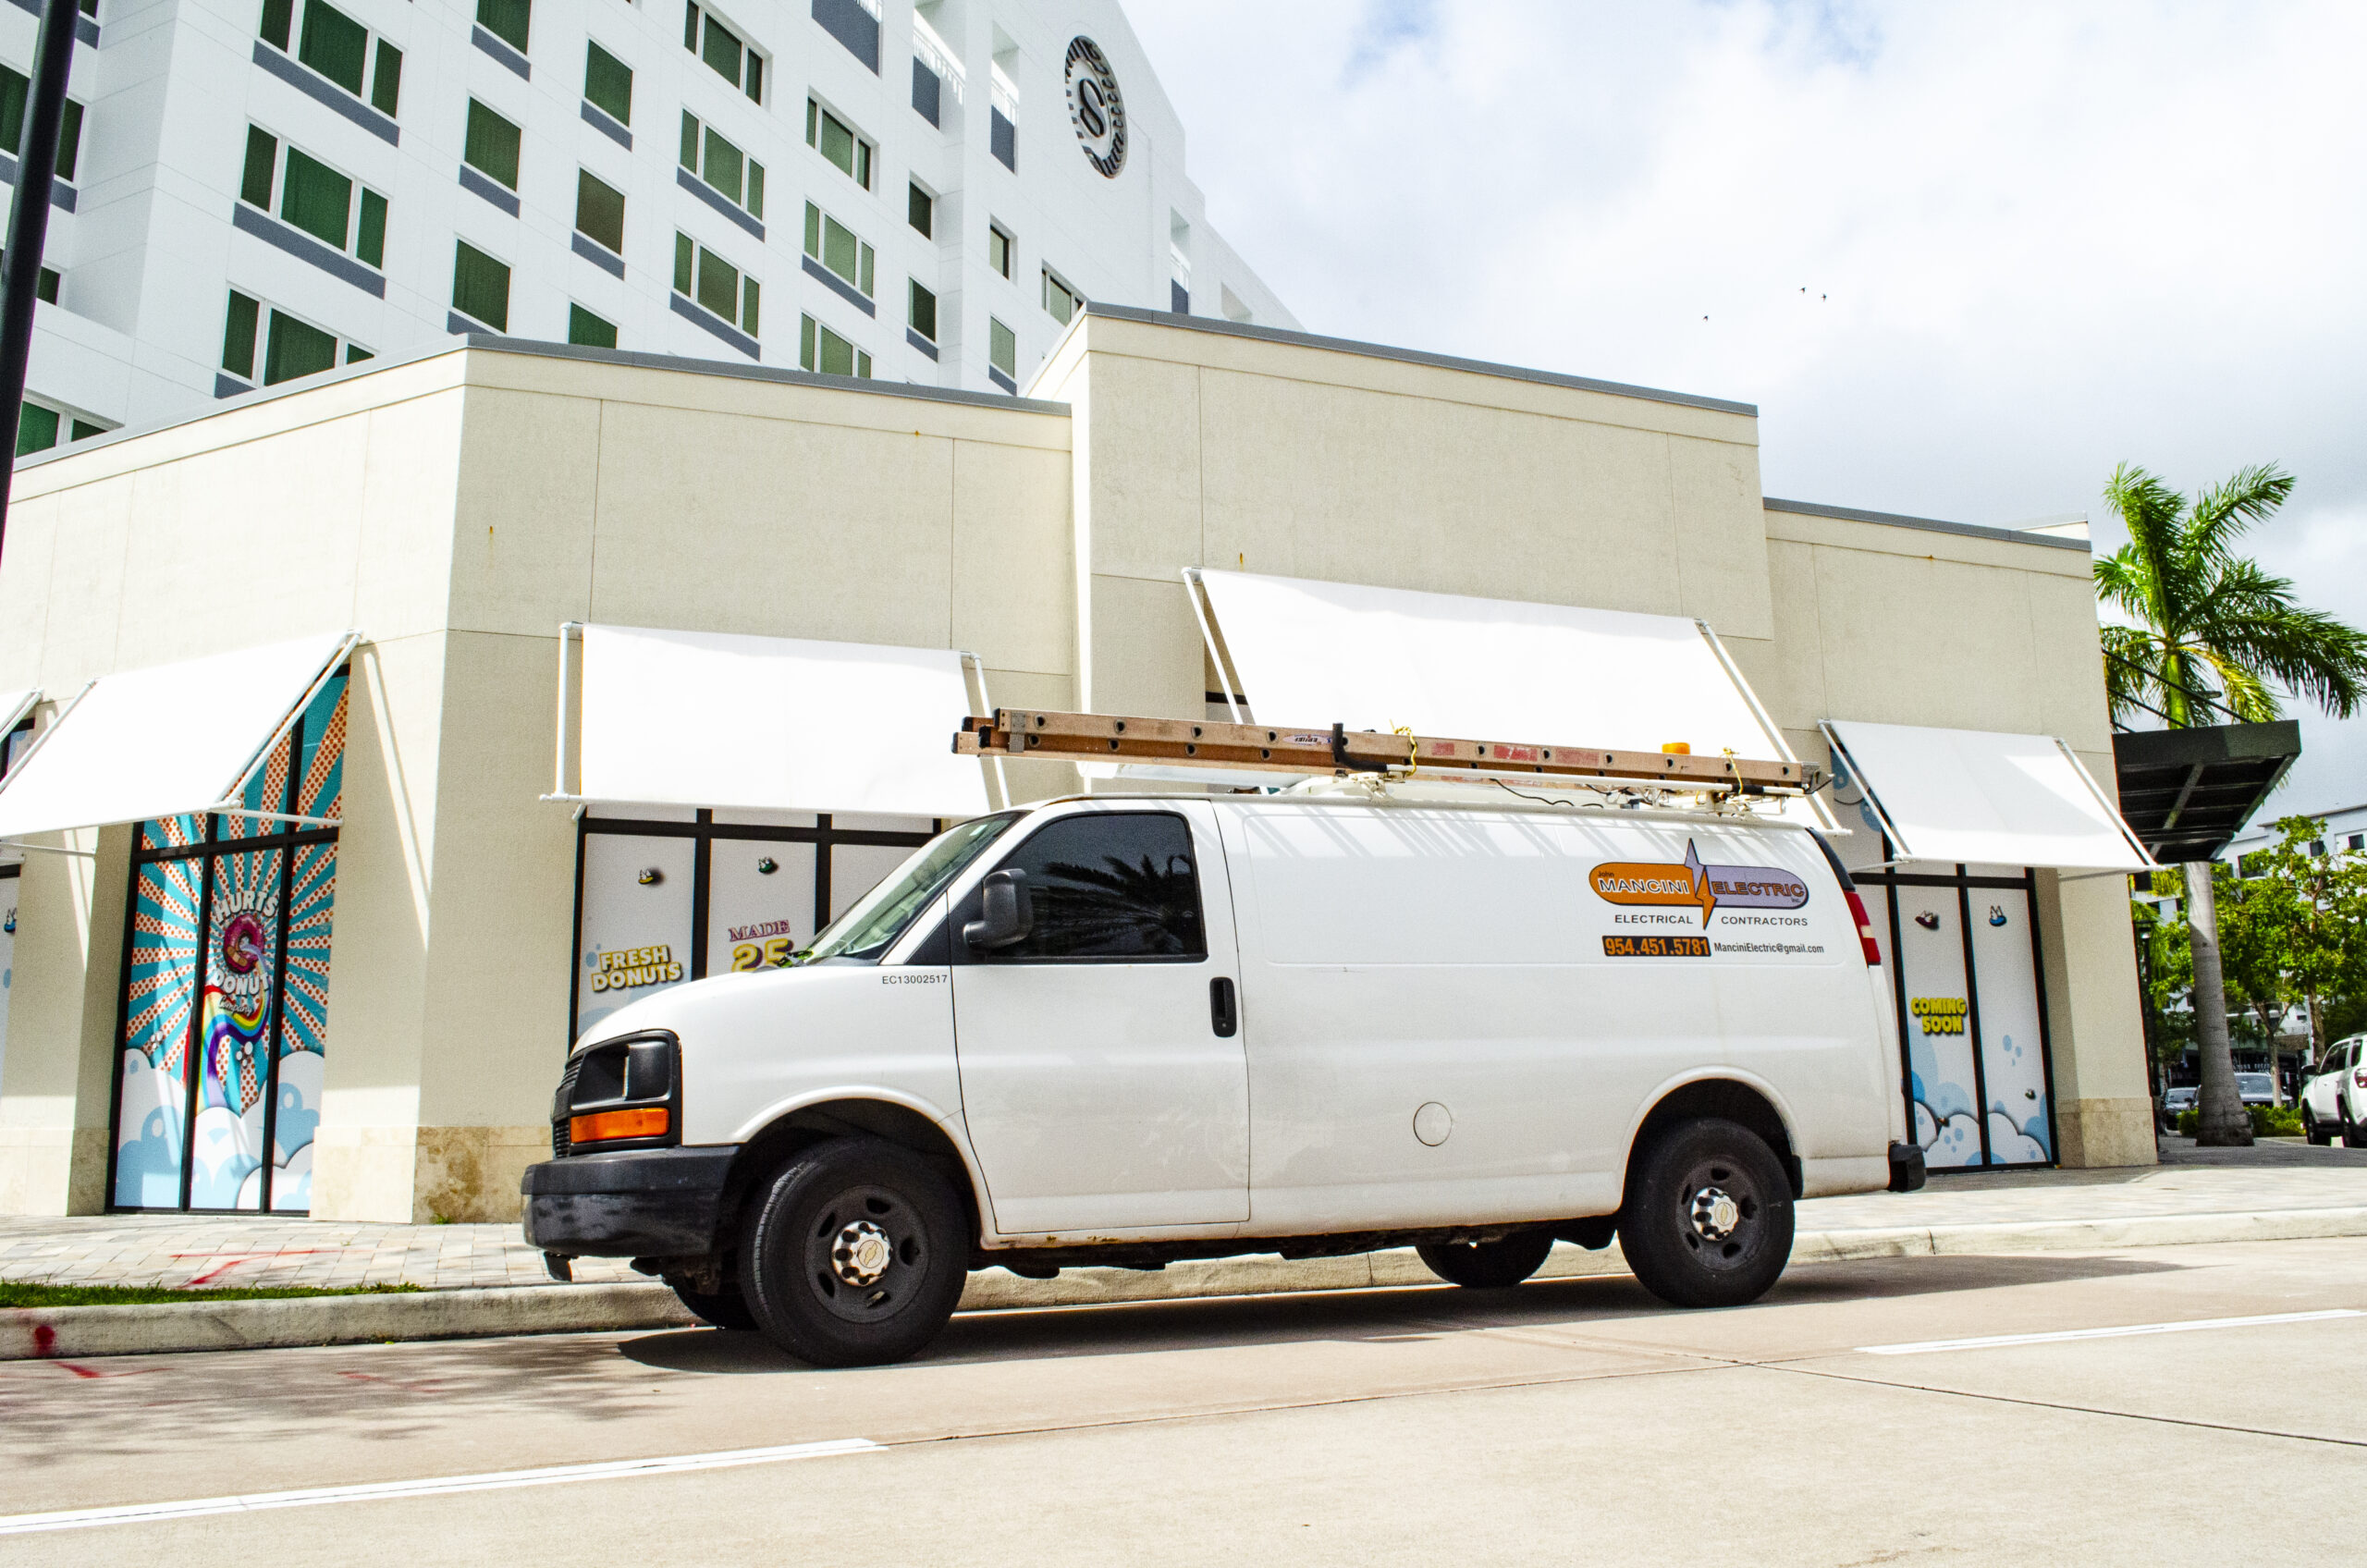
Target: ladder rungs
(1081, 737)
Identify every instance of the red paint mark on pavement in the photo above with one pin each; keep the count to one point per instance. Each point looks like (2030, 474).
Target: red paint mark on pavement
(80, 1371)
(236, 1258)
(45, 1339)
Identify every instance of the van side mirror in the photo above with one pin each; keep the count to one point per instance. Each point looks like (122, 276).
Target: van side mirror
(1007, 912)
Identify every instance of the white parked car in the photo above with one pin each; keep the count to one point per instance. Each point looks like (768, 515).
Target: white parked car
(1131, 1030)
(2334, 1094)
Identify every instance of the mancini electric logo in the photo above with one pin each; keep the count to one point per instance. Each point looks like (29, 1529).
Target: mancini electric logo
(1697, 884)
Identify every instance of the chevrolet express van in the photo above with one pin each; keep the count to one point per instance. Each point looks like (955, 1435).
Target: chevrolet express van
(1127, 1030)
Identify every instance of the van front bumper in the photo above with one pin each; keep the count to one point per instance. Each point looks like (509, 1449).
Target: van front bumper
(634, 1203)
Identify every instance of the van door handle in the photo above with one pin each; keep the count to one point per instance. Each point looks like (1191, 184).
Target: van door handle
(1224, 1014)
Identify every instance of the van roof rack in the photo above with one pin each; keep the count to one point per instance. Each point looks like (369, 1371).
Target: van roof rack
(1192, 743)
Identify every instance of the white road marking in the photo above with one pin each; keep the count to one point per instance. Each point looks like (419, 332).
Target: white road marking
(1924, 1347)
(144, 1513)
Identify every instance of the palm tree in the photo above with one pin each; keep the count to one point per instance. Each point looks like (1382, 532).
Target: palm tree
(2211, 634)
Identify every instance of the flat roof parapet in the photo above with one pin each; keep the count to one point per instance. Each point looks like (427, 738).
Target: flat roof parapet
(1413, 357)
(1900, 520)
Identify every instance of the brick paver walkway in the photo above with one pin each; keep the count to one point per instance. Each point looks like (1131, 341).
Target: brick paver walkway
(178, 1250)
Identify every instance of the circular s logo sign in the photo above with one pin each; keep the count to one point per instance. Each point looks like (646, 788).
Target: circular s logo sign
(1096, 106)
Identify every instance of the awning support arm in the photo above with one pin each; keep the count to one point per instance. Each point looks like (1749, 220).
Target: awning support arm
(262, 752)
(568, 631)
(1225, 673)
(971, 662)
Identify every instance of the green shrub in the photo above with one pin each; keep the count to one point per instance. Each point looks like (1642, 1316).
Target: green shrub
(2276, 1121)
(2268, 1121)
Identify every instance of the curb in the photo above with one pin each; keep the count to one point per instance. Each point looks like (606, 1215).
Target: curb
(30, 1333)
(35, 1333)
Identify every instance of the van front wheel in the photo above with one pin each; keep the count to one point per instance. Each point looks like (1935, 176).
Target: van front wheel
(1708, 1220)
(1488, 1266)
(857, 1255)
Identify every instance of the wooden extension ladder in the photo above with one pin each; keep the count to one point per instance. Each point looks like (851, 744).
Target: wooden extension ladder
(1092, 737)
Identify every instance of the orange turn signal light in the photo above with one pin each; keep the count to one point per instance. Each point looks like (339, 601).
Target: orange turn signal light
(650, 1122)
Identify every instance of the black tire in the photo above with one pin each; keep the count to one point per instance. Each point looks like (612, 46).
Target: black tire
(725, 1309)
(2352, 1138)
(2311, 1131)
(1686, 1247)
(857, 1254)
(1488, 1266)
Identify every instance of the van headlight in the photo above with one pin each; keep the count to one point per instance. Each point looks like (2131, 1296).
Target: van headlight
(623, 1092)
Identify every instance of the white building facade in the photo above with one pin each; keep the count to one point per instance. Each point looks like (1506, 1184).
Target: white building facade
(255, 190)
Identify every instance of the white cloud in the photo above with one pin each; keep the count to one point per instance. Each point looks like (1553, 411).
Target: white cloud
(2035, 241)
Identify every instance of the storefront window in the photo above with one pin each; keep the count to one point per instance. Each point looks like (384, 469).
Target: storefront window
(225, 1012)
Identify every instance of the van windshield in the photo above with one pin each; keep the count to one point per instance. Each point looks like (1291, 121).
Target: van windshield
(868, 929)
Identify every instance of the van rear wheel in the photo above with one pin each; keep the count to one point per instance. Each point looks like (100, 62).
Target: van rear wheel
(1488, 1266)
(1708, 1218)
(857, 1255)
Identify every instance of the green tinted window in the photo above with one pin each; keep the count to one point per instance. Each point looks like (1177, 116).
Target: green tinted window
(13, 89)
(479, 287)
(84, 430)
(921, 211)
(923, 312)
(584, 327)
(334, 44)
(36, 428)
(841, 249)
(718, 285)
(238, 337)
(1002, 348)
(748, 294)
(316, 199)
(278, 18)
(493, 144)
(755, 188)
(834, 141)
(355, 353)
(506, 20)
(600, 211)
(723, 168)
(370, 234)
(296, 350)
(722, 50)
(262, 154)
(608, 82)
(386, 86)
(69, 140)
(689, 154)
(683, 254)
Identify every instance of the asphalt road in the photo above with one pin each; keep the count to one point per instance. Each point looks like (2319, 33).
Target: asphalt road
(1562, 1421)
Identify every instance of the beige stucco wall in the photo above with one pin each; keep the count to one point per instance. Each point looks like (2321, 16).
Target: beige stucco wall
(456, 511)
(1202, 447)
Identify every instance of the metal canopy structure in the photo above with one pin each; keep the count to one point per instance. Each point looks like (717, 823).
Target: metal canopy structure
(2186, 793)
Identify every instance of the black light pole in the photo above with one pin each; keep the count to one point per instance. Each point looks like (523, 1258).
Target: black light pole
(29, 229)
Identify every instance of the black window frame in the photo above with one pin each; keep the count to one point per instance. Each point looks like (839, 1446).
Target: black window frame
(970, 907)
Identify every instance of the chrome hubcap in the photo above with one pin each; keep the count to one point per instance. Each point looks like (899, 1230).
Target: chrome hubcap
(861, 1254)
(1714, 1214)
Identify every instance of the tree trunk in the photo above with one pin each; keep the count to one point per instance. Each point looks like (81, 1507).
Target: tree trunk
(2223, 1121)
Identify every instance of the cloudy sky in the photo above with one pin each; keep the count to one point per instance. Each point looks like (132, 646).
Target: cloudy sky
(1964, 258)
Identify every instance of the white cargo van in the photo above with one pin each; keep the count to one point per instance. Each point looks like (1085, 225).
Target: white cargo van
(1127, 1030)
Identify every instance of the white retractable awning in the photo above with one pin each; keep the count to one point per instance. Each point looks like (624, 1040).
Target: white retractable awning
(710, 718)
(1310, 653)
(161, 742)
(1977, 796)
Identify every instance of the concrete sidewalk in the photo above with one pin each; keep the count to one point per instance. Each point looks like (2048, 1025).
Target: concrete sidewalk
(180, 1250)
(483, 1279)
